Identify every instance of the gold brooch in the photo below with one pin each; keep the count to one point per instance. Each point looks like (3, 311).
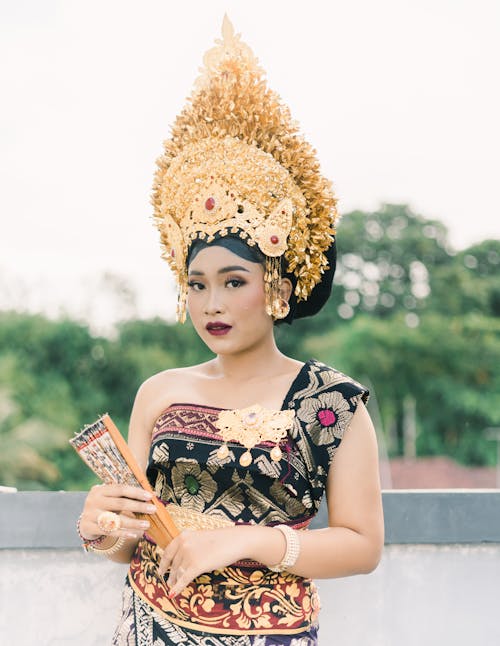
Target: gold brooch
(251, 426)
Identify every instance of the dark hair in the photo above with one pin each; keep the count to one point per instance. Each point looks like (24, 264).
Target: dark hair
(252, 253)
(232, 243)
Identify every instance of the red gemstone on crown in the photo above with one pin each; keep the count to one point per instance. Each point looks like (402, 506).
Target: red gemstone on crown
(172, 253)
(275, 239)
(210, 203)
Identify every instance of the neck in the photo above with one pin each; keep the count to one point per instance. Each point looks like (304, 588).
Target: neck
(260, 361)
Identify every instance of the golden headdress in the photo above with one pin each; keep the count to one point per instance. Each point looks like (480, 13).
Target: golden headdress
(236, 164)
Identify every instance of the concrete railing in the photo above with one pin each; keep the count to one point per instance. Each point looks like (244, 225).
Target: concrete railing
(438, 583)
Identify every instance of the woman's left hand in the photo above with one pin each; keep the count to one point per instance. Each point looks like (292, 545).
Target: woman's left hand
(194, 552)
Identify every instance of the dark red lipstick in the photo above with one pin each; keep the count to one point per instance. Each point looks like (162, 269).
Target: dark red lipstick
(217, 328)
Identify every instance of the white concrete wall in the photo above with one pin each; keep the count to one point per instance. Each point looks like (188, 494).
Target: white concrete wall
(446, 595)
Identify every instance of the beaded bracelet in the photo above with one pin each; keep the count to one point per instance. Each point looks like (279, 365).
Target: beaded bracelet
(88, 544)
(292, 548)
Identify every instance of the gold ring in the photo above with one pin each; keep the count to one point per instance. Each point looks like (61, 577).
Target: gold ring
(108, 521)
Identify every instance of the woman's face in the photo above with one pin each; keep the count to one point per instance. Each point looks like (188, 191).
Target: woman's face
(226, 301)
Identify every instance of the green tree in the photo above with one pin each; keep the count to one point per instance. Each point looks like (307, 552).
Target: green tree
(408, 315)
(385, 263)
(56, 377)
(450, 367)
(469, 282)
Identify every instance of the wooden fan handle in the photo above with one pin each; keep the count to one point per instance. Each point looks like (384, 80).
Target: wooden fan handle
(165, 519)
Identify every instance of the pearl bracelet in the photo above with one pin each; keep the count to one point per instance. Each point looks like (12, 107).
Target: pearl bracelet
(292, 550)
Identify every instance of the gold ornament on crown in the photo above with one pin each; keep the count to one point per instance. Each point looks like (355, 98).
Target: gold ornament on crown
(236, 164)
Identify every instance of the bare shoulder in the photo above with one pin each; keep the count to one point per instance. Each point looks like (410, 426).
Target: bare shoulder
(158, 391)
(173, 376)
(159, 381)
(164, 388)
(153, 397)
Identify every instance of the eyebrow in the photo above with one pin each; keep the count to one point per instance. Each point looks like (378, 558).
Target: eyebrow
(222, 270)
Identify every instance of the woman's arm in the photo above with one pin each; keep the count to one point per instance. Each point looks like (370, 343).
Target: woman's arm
(352, 544)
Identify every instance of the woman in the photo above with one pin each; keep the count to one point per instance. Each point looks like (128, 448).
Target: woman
(242, 448)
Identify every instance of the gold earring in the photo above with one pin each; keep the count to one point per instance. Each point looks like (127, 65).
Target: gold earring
(281, 308)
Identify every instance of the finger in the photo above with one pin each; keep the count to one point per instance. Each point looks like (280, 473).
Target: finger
(179, 579)
(176, 572)
(165, 564)
(128, 505)
(167, 558)
(122, 491)
(130, 527)
(135, 526)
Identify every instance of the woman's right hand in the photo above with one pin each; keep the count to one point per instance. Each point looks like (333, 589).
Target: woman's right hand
(120, 499)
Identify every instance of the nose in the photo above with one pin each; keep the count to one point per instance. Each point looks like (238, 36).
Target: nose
(213, 303)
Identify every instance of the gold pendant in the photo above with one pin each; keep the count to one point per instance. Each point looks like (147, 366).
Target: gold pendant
(251, 426)
(276, 454)
(246, 459)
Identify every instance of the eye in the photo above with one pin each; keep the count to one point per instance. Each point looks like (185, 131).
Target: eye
(195, 285)
(235, 282)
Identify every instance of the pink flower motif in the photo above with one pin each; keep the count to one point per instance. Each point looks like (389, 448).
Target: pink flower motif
(328, 414)
(326, 417)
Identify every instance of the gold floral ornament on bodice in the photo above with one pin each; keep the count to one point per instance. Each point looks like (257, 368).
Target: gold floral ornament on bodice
(251, 426)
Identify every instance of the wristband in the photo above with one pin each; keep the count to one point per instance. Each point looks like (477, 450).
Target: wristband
(87, 543)
(292, 549)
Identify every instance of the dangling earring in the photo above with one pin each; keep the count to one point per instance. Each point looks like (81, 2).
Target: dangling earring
(182, 290)
(281, 308)
(272, 280)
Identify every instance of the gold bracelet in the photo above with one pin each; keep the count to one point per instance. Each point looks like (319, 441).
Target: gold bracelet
(117, 545)
(292, 550)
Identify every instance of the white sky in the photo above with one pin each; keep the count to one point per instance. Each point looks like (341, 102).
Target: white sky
(401, 98)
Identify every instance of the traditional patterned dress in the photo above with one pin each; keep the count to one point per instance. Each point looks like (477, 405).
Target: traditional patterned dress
(245, 604)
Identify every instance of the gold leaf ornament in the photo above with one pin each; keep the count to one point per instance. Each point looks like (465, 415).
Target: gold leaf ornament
(229, 56)
(251, 426)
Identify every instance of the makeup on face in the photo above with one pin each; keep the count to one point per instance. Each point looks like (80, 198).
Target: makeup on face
(226, 300)
(217, 328)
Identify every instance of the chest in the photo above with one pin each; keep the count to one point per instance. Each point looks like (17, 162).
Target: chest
(228, 394)
(188, 469)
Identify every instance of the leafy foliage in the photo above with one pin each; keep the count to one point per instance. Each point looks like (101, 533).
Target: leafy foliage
(450, 368)
(408, 316)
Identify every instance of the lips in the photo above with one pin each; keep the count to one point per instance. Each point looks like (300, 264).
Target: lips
(217, 328)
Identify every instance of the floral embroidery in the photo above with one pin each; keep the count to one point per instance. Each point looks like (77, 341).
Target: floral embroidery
(307, 500)
(328, 414)
(141, 627)
(193, 486)
(327, 417)
(161, 452)
(246, 599)
(293, 506)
